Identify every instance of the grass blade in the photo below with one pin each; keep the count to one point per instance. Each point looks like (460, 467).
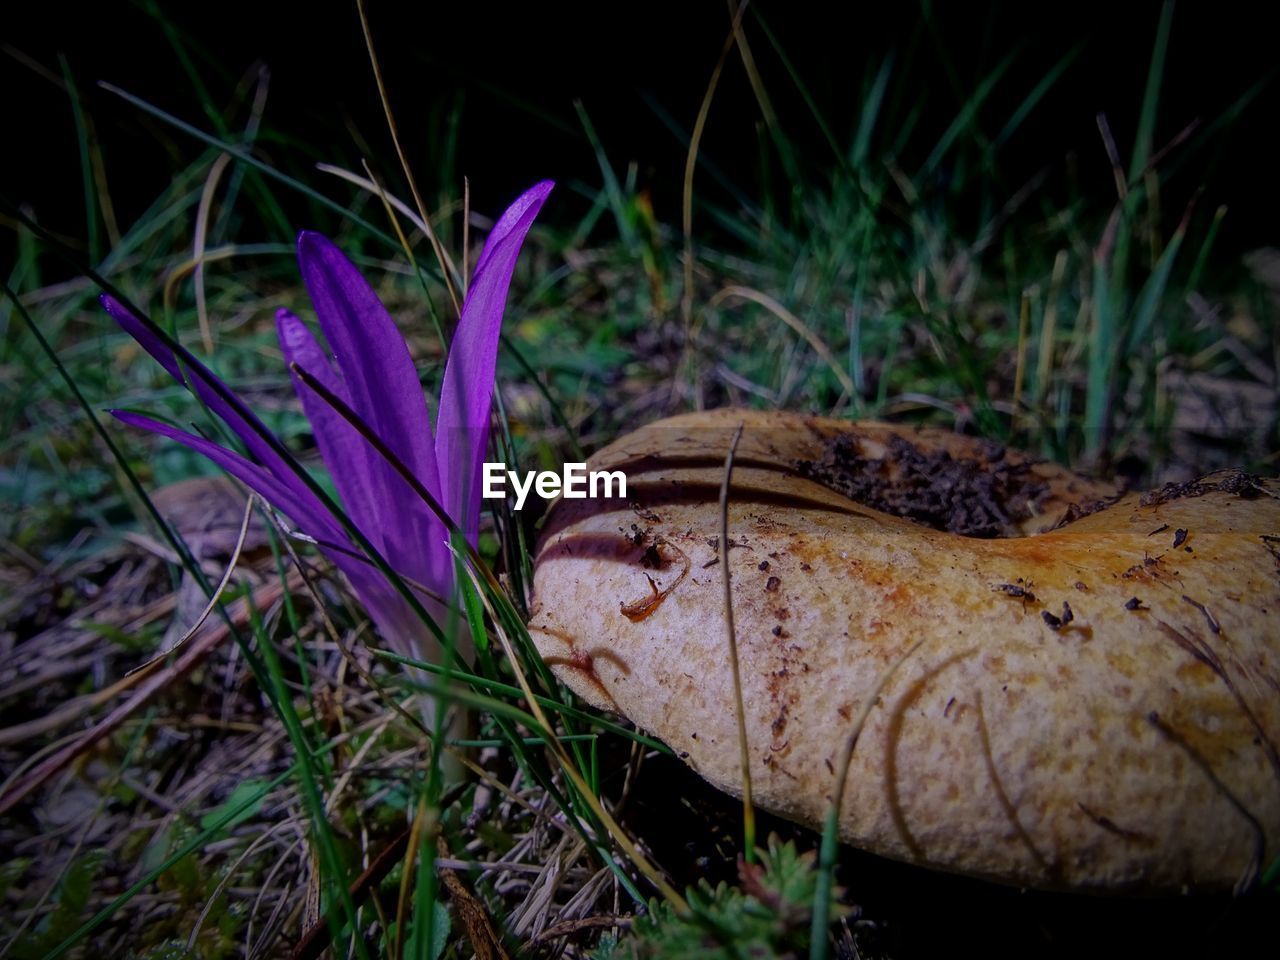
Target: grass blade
(245, 156)
(92, 230)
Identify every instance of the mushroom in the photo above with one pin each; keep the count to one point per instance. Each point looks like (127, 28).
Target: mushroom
(1067, 689)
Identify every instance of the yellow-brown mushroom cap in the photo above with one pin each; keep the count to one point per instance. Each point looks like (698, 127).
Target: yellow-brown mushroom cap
(1095, 706)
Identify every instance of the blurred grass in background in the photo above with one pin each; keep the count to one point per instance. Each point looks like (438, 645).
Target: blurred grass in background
(895, 272)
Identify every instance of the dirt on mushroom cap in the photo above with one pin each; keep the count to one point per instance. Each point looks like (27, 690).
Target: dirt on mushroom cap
(980, 496)
(1129, 746)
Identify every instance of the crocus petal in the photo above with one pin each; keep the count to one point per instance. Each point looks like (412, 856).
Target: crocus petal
(294, 500)
(277, 484)
(462, 431)
(140, 332)
(233, 411)
(385, 393)
(535, 196)
(344, 451)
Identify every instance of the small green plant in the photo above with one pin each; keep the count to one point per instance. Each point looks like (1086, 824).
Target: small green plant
(766, 915)
(68, 903)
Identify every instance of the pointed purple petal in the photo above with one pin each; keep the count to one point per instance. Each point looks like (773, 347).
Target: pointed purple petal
(383, 389)
(393, 615)
(371, 353)
(233, 412)
(462, 432)
(138, 330)
(296, 501)
(535, 195)
(344, 451)
(292, 498)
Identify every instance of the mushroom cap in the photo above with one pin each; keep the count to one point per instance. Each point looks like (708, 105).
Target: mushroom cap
(1095, 706)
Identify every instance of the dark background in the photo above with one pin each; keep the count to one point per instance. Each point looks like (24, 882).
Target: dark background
(516, 69)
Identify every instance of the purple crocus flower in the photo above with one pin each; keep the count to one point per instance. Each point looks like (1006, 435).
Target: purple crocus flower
(371, 371)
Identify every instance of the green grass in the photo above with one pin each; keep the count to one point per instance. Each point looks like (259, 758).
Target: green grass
(864, 283)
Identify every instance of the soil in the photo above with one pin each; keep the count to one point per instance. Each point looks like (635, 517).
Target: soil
(984, 497)
(1244, 485)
